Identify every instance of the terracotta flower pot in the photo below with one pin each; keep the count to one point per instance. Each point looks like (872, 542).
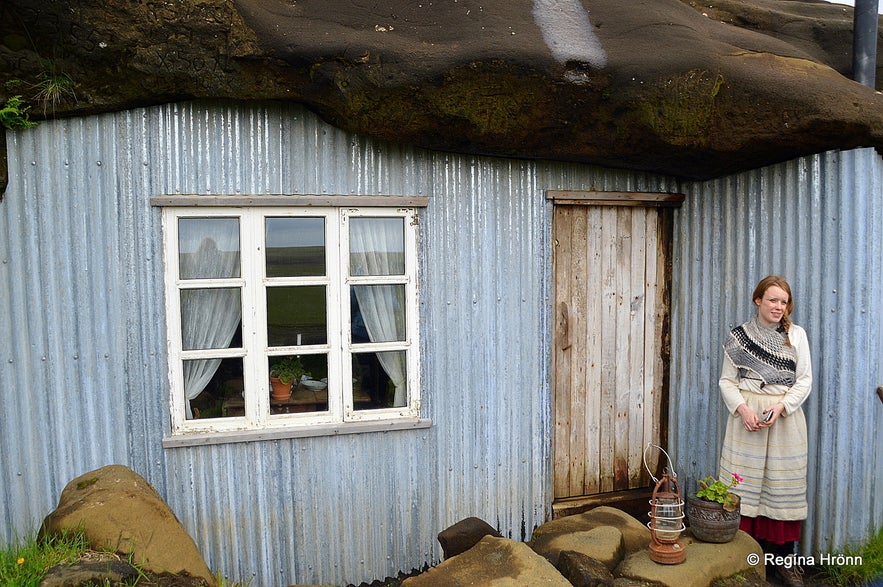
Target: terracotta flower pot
(279, 390)
(710, 522)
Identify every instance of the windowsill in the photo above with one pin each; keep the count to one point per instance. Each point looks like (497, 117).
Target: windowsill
(208, 438)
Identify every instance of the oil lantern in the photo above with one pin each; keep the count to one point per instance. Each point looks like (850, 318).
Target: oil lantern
(666, 517)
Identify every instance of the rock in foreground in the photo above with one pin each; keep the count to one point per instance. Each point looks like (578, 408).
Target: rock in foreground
(493, 562)
(603, 546)
(121, 512)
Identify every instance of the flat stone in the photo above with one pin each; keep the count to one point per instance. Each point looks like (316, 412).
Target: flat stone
(604, 544)
(493, 562)
(705, 563)
(635, 536)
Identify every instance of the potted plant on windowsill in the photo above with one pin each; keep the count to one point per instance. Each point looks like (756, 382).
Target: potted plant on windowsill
(283, 373)
(714, 512)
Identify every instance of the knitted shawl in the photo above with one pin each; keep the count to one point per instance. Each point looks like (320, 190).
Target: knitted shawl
(762, 350)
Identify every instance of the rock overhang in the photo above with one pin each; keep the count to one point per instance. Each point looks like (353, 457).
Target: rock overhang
(664, 86)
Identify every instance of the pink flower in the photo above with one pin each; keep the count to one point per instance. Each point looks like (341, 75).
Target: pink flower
(738, 478)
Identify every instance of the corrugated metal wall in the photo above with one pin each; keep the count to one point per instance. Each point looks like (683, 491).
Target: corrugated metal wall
(817, 221)
(82, 263)
(84, 378)
(83, 351)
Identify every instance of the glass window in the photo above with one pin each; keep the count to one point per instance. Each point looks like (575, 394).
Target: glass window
(297, 315)
(295, 246)
(291, 317)
(377, 246)
(379, 380)
(380, 307)
(203, 312)
(208, 247)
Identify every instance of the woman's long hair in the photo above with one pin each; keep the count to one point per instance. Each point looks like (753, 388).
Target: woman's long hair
(766, 283)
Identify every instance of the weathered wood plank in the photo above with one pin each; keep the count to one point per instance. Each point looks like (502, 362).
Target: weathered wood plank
(621, 328)
(607, 324)
(561, 231)
(653, 368)
(594, 198)
(578, 296)
(593, 354)
(636, 301)
(294, 200)
(656, 351)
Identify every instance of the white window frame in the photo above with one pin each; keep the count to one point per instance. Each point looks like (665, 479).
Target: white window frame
(258, 423)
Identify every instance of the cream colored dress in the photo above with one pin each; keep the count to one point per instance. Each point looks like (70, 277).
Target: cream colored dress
(772, 460)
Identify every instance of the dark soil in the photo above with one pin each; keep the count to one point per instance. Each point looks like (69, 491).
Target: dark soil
(103, 569)
(164, 580)
(812, 577)
(391, 581)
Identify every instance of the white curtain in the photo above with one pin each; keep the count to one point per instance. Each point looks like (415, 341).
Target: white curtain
(376, 249)
(209, 316)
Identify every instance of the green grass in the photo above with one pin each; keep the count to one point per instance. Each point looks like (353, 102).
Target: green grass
(25, 563)
(870, 569)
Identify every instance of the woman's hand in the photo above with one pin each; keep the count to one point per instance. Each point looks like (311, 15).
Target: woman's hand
(777, 410)
(749, 418)
(754, 422)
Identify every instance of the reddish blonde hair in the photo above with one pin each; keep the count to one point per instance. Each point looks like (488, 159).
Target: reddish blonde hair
(768, 282)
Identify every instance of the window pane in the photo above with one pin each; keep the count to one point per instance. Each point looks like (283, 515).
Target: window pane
(296, 315)
(377, 246)
(378, 313)
(208, 248)
(210, 318)
(307, 388)
(380, 380)
(213, 388)
(295, 247)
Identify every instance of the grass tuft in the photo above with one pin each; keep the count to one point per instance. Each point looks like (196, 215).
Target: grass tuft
(25, 563)
(868, 572)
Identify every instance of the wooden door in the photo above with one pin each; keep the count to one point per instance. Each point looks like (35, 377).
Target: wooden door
(611, 273)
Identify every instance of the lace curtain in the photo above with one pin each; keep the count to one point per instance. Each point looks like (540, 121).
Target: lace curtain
(376, 249)
(209, 316)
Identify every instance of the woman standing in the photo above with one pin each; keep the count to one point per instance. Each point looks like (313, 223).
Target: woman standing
(765, 379)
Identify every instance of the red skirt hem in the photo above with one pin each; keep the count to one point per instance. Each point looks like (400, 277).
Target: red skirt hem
(775, 531)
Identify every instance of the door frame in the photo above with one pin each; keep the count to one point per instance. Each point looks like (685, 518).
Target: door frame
(635, 498)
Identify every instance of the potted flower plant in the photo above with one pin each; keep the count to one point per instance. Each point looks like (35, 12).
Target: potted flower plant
(283, 373)
(713, 512)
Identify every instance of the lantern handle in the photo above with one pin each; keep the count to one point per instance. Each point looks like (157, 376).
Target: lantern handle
(670, 465)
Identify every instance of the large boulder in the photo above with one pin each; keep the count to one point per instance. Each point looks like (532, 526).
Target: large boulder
(121, 512)
(680, 87)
